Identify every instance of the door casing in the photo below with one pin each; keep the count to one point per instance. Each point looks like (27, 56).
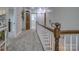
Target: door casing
(27, 20)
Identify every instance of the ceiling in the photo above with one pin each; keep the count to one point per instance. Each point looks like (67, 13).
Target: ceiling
(38, 9)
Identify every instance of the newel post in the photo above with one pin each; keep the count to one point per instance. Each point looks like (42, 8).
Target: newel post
(57, 35)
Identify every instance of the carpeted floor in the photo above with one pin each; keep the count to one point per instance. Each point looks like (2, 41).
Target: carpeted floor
(26, 41)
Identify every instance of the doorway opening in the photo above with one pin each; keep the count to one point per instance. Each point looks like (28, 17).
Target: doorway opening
(33, 21)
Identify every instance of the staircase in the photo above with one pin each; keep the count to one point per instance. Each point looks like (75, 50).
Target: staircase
(45, 38)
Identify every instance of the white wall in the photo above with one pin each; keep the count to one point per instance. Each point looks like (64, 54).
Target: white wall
(16, 21)
(40, 18)
(12, 17)
(67, 16)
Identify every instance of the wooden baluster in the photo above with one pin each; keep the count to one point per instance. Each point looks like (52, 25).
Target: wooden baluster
(64, 43)
(77, 42)
(57, 36)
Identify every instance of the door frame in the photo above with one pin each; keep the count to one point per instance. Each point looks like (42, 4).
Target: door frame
(27, 12)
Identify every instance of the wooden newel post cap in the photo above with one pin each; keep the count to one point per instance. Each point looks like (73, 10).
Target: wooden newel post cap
(58, 25)
(57, 30)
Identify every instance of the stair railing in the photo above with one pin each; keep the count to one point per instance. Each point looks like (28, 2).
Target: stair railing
(3, 44)
(58, 34)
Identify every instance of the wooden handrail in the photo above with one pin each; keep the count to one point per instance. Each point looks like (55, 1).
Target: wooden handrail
(46, 27)
(69, 32)
(62, 31)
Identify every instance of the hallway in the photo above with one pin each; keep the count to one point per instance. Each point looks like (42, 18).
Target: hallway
(26, 41)
(50, 29)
